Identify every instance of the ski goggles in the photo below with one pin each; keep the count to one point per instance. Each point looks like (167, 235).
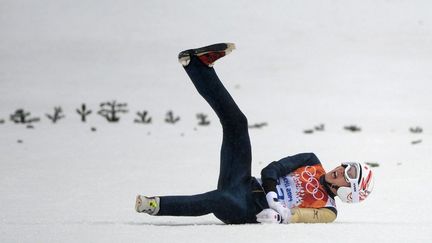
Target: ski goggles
(352, 171)
(352, 174)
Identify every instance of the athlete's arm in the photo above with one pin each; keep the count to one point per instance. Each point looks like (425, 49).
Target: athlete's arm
(276, 169)
(312, 215)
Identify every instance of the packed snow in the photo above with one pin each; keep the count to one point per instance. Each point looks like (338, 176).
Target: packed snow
(298, 64)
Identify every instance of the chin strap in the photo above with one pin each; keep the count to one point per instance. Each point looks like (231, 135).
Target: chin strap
(328, 186)
(334, 186)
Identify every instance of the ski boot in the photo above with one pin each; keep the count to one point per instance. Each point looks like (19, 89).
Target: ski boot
(148, 205)
(207, 54)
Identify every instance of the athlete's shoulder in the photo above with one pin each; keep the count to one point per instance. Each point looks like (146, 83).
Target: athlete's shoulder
(309, 157)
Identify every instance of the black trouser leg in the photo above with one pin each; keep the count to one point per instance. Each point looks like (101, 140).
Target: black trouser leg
(235, 161)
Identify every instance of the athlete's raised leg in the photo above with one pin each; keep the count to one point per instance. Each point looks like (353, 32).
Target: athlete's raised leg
(235, 161)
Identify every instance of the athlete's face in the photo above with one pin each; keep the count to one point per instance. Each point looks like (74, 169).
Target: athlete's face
(336, 177)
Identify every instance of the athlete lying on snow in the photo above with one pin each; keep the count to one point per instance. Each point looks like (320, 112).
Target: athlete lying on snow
(292, 190)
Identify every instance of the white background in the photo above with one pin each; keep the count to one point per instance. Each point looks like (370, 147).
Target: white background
(298, 64)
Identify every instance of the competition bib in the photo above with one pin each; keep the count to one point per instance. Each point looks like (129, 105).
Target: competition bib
(301, 188)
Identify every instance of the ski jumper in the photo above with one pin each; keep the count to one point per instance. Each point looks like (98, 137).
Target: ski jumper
(239, 196)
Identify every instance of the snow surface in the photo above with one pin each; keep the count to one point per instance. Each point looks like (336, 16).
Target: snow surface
(298, 64)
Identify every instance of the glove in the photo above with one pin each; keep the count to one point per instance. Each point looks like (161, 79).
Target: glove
(269, 216)
(279, 207)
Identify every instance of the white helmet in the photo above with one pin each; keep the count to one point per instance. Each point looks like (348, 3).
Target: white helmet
(361, 178)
